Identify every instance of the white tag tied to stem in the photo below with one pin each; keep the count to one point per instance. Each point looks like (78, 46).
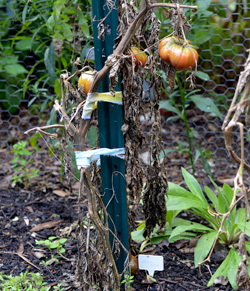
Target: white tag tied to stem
(151, 263)
(84, 159)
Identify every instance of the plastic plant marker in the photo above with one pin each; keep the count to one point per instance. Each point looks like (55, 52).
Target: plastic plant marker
(151, 263)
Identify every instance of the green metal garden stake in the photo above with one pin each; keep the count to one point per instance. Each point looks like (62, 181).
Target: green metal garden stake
(110, 120)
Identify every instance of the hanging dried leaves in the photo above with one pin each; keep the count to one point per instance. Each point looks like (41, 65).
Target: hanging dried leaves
(134, 101)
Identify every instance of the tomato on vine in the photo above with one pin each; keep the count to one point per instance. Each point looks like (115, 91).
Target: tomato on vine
(138, 57)
(86, 80)
(181, 54)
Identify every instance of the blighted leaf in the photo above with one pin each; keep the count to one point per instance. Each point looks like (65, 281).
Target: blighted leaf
(171, 77)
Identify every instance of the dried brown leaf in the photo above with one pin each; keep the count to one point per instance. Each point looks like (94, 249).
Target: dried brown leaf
(45, 225)
(61, 193)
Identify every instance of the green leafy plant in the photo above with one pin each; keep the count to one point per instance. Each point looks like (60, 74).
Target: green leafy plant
(53, 243)
(26, 281)
(178, 102)
(24, 174)
(128, 280)
(224, 223)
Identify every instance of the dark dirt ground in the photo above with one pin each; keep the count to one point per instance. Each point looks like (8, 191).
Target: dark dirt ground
(50, 200)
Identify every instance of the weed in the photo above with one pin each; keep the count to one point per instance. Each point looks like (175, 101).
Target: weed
(21, 161)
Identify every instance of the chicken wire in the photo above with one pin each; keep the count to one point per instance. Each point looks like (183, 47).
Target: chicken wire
(222, 58)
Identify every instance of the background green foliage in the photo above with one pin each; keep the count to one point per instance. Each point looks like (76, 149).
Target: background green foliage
(39, 39)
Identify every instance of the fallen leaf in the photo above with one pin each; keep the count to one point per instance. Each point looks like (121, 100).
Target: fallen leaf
(61, 193)
(49, 224)
(30, 209)
(39, 255)
(20, 249)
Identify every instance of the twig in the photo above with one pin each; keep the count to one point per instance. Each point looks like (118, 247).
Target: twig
(41, 129)
(22, 257)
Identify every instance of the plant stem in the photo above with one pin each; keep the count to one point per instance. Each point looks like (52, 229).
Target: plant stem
(189, 135)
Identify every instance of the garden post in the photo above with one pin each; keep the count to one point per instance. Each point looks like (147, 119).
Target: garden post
(110, 120)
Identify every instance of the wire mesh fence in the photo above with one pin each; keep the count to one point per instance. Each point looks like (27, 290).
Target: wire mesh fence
(29, 73)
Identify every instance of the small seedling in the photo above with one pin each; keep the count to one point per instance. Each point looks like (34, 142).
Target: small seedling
(128, 281)
(21, 161)
(53, 243)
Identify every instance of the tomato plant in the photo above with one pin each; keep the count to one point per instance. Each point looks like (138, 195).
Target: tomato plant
(138, 57)
(86, 80)
(179, 53)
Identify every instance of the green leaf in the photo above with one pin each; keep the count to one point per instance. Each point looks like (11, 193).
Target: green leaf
(228, 193)
(203, 247)
(210, 194)
(15, 69)
(50, 59)
(24, 44)
(184, 203)
(202, 37)
(193, 185)
(221, 200)
(228, 268)
(167, 105)
(54, 245)
(83, 21)
(241, 226)
(202, 76)
(62, 240)
(206, 105)
(24, 13)
(92, 136)
(180, 199)
(137, 235)
(67, 32)
(50, 23)
(59, 6)
(15, 159)
(203, 4)
(194, 226)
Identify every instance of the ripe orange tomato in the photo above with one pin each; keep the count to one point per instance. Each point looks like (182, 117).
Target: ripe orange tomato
(138, 57)
(86, 80)
(175, 51)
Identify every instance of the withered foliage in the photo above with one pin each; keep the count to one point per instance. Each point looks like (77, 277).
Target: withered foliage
(134, 100)
(93, 266)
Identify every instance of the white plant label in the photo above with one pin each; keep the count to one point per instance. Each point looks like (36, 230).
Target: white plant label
(151, 263)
